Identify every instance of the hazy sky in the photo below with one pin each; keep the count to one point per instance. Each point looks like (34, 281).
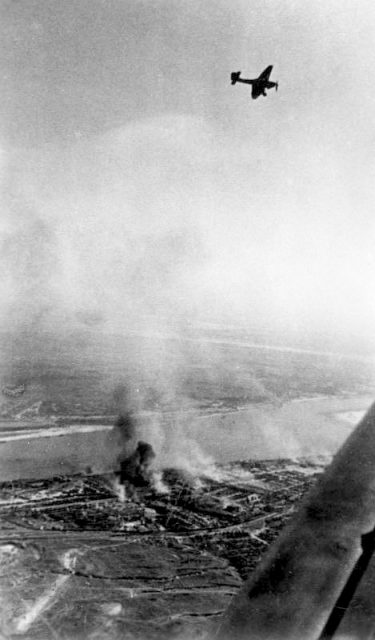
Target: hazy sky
(138, 181)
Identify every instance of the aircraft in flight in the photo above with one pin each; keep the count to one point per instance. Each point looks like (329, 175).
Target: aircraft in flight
(259, 85)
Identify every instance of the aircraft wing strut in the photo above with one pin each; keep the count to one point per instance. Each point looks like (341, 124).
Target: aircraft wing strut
(318, 580)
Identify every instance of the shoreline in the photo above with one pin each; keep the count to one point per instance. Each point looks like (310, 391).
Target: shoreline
(296, 429)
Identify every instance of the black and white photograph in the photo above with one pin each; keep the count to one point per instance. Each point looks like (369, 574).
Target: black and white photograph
(187, 320)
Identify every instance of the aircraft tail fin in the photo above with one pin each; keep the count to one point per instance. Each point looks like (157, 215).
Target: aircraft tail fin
(234, 76)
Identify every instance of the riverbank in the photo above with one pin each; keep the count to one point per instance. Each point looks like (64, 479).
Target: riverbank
(308, 427)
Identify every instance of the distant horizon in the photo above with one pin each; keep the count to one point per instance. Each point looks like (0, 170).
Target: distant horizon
(328, 344)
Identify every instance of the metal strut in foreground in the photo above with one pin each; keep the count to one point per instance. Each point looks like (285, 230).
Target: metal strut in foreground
(318, 580)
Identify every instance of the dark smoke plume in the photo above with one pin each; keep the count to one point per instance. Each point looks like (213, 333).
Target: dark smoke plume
(134, 459)
(136, 468)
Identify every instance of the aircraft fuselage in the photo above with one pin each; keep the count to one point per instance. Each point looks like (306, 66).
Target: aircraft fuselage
(259, 85)
(266, 84)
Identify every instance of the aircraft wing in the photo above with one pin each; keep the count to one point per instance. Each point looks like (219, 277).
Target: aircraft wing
(256, 91)
(317, 580)
(266, 73)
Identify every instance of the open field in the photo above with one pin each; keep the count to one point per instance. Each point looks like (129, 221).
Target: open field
(84, 374)
(152, 565)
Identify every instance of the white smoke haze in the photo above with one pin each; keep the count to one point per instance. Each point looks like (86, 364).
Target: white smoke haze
(158, 484)
(30, 268)
(156, 224)
(101, 234)
(110, 234)
(116, 249)
(184, 453)
(131, 231)
(119, 489)
(232, 474)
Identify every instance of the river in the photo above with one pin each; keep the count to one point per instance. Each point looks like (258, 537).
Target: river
(305, 427)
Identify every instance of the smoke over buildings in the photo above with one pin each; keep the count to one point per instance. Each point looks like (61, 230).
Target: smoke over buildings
(139, 197)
